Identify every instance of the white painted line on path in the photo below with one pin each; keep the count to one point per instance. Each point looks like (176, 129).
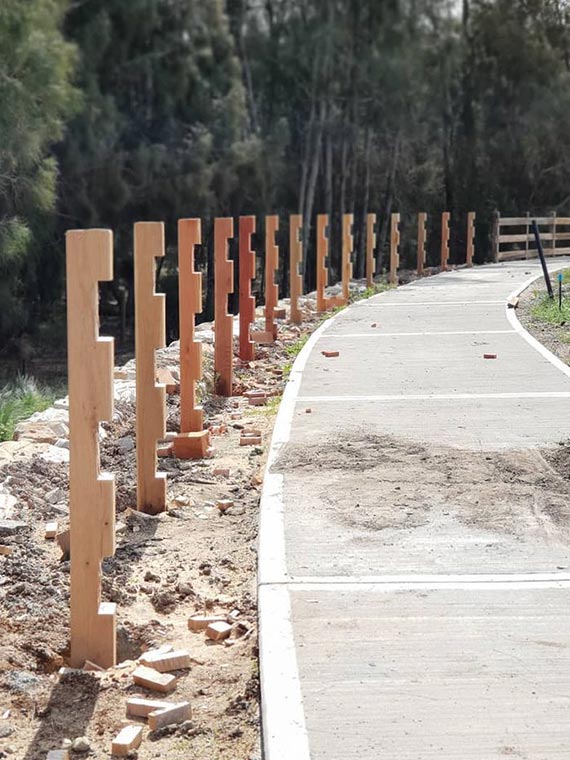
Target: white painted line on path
(497, 581)
(371, 303)
(419, 334)
(514, 320)
(438, 397)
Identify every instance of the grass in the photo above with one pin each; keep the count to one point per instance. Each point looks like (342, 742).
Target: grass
(19, 399)
(295, 348)
(546, 309)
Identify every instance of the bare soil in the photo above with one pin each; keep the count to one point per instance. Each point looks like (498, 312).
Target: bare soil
(192, 559)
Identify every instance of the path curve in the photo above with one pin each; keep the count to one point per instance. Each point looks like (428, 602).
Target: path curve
(407, 528)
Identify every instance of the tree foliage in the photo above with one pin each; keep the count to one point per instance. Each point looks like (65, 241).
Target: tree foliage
(206, 108)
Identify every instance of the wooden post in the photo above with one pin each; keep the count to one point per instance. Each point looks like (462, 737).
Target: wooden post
(470, 238)
(347, 250)
(223, 286)
(422, 218)
(271, 267)
(495, 235)
(370, 248)
(394, 248)
(295, 262)
(322, 253)
(444, 241)
(246, 299)
(89, 256)
(151, 396)
(553, 232)
(193, 441)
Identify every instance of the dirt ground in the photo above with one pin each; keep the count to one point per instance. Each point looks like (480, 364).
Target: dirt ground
(400, 484)
(190, 560)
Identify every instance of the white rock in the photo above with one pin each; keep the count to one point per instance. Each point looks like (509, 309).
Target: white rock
(81, 744)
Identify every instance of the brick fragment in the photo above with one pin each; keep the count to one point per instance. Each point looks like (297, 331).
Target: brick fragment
(151, 679)
(170, 715)
(330, 354)
(201, 622)
(218, 631)
(166, 661)
(126, 740)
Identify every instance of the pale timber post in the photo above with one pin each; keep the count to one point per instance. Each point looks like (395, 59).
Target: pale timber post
(421, 262)
(370, 248)
(394, 248)
(553, 232)
(89, 255)
(347, 250)
(495, 235)
(151, 396)
(322, 253)
(223, 286)
(271, 267)
(444, 241)
(193, 441)
(470, 238)
(295, 261)
(246, 299)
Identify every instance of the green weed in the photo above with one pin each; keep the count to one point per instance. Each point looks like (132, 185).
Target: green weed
(19, 400)
(546, 310)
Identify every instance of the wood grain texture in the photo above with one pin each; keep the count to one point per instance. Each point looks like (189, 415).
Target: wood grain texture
(394, 248)
(370, 249)
(271, 270)
(444, 261)
(421, 261)
(190, 304)
(151, 396)
(223, 287)
(89, 255)
(347, 252)
(322, 255)
(296, 262)
(470, 239)
(246, 299)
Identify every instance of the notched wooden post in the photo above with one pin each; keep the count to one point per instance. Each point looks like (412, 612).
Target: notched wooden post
(246, 299)
(422, 217)
(370, 249)
(347, 251)
(271, 267)
(223, 287)
(470, 238)
(394, 248)
(444, 241)
(193, 441)
(295, 262)
(151, 396)
(322, 253)
(89, 255)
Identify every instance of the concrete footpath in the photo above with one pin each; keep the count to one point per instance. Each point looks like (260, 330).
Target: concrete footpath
(403, 614)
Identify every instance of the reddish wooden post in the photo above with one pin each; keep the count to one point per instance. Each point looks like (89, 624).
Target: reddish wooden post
(322, 253)
(370, 248)
(296, 258)
(422, 217)
(223, 286)
(470, 238)
(347, 250)
(444, 241)
(394, 248)
(271, 267)
(193, 441)
(89, 255)
(246, 299)
(151, 396)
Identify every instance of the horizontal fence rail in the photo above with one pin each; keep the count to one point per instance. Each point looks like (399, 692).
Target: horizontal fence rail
(514, 239)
